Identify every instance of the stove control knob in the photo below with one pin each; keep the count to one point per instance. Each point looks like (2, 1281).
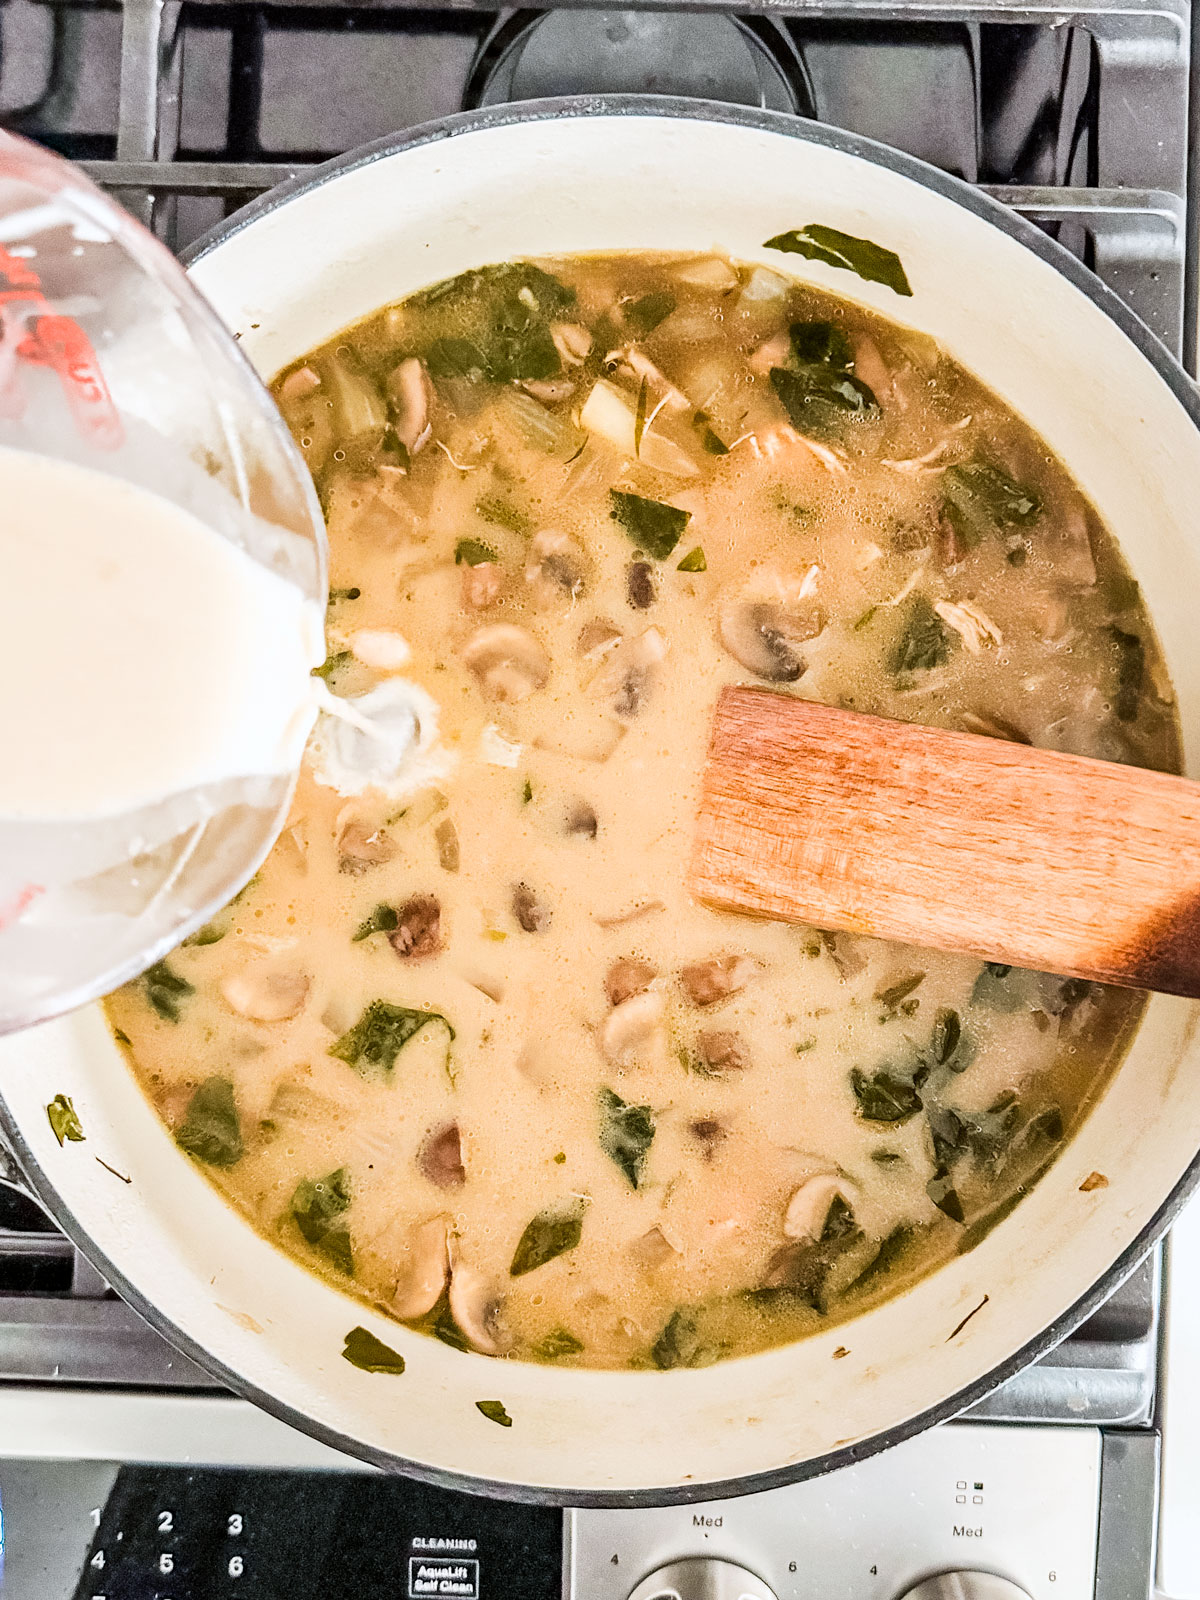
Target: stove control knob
(702, 1578)
(966, 1586)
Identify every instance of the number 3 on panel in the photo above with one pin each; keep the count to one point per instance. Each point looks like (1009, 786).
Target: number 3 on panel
(234, 1525)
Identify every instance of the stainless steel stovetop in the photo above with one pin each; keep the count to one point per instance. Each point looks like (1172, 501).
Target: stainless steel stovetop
(1079, 116)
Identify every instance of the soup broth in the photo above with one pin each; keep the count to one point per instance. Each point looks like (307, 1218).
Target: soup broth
(474, 1053)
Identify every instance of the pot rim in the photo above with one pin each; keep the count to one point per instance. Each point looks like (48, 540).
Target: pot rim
(1172, 374)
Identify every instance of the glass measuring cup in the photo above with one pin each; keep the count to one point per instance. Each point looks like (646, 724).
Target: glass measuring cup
(109, 360)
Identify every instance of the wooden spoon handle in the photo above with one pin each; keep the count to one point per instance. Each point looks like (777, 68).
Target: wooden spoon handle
(951, 841)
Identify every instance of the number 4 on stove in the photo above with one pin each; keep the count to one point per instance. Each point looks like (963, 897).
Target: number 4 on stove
(97, 1561)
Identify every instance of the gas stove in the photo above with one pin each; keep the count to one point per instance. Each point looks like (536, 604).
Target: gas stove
(124, 1470)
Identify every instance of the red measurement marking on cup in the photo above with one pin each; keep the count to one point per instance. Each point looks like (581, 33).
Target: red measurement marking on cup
(19, 904)
(41, 337)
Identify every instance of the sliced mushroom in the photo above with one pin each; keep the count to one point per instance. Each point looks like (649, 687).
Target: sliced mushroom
(764, 635)
(476, 1310)
(611, 415)
(707, 272)
(629, 671)
(639, 585)
(554, 569)
(707, 983)
(581, 820)
(709, 1133)
(440, 1158)
(508, 661)
(482, 586)
(596, 639)
(722, 1052)
(418, 934)
(1069, 546)
(809, 1205)
(265, 996)
(652, 1250)
(299, 385)
(411, 395)
(380, 648)
(572, 342)
(362, 845)
(633, 913)
(627, 977)
(630, 1026)
(532, 913)
(420, 1287)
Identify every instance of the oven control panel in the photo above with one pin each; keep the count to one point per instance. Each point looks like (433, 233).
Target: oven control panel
(969, 1512)
(97, 1531)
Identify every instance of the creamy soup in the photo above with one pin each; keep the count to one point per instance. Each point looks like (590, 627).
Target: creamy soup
(474, 1053)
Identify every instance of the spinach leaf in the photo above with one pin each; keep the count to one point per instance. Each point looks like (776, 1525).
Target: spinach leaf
(870, 261)
(923, 642)
(652, 526)
(317, 1208)
(494, 1411)
(384, 919)
(558, 1343)
(551, 1233)
(1131, 670)
(642, 316)
(336, 595)
(369, 1354)
(474, 552)
(892, 1093)
(1005, 988)
(64, 1120)
(892, 994)
(980, 497)
(211, 1130)
(210, 933)
(693, 562)
(893, 1247)
(819, 398)
(679, 1344)
(626, 1134)
(165, 989)
(493, 324)
(947, 1036)
(981, 1135)
(441, 1324)
(710, 441)
(822, 344)
(886, 1158)
(379, 1035)
(800, 1272)
(944, 1195)
(498, 512)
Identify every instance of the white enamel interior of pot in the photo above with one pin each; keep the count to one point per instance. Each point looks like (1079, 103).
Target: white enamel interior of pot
(332, 255)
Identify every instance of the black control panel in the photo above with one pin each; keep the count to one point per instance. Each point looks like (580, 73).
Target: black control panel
(96, 1531)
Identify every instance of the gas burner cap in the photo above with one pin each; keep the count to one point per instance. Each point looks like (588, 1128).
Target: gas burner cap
(748, 61)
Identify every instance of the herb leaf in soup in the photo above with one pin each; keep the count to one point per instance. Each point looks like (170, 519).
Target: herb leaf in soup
(337, 661)
(819, 398)
(643, 315)
(504, 316)
(626, 1134)
(922, 643)
(473, 552)
(165, 989)
(1131, 670)
(558, 1343)
(693, 562)
(64, 1120)
(379, 1035)
(369, 1354)
(869, 260)
(551, 1233)
(653, 526)
(984, 498)
(800, 1272)
(679, 1344)
(891, 1093)
(211, 1130)
(494, 1411)
(384, 919)
(317, 1208)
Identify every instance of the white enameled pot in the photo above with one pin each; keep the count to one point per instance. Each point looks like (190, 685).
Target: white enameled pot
(573, 176)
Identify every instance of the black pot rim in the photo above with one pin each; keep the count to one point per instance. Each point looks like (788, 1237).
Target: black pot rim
(1168, 369)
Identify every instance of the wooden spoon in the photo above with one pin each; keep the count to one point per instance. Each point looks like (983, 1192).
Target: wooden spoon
(952, 841)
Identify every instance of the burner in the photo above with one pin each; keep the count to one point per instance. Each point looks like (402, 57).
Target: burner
(748, 61)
